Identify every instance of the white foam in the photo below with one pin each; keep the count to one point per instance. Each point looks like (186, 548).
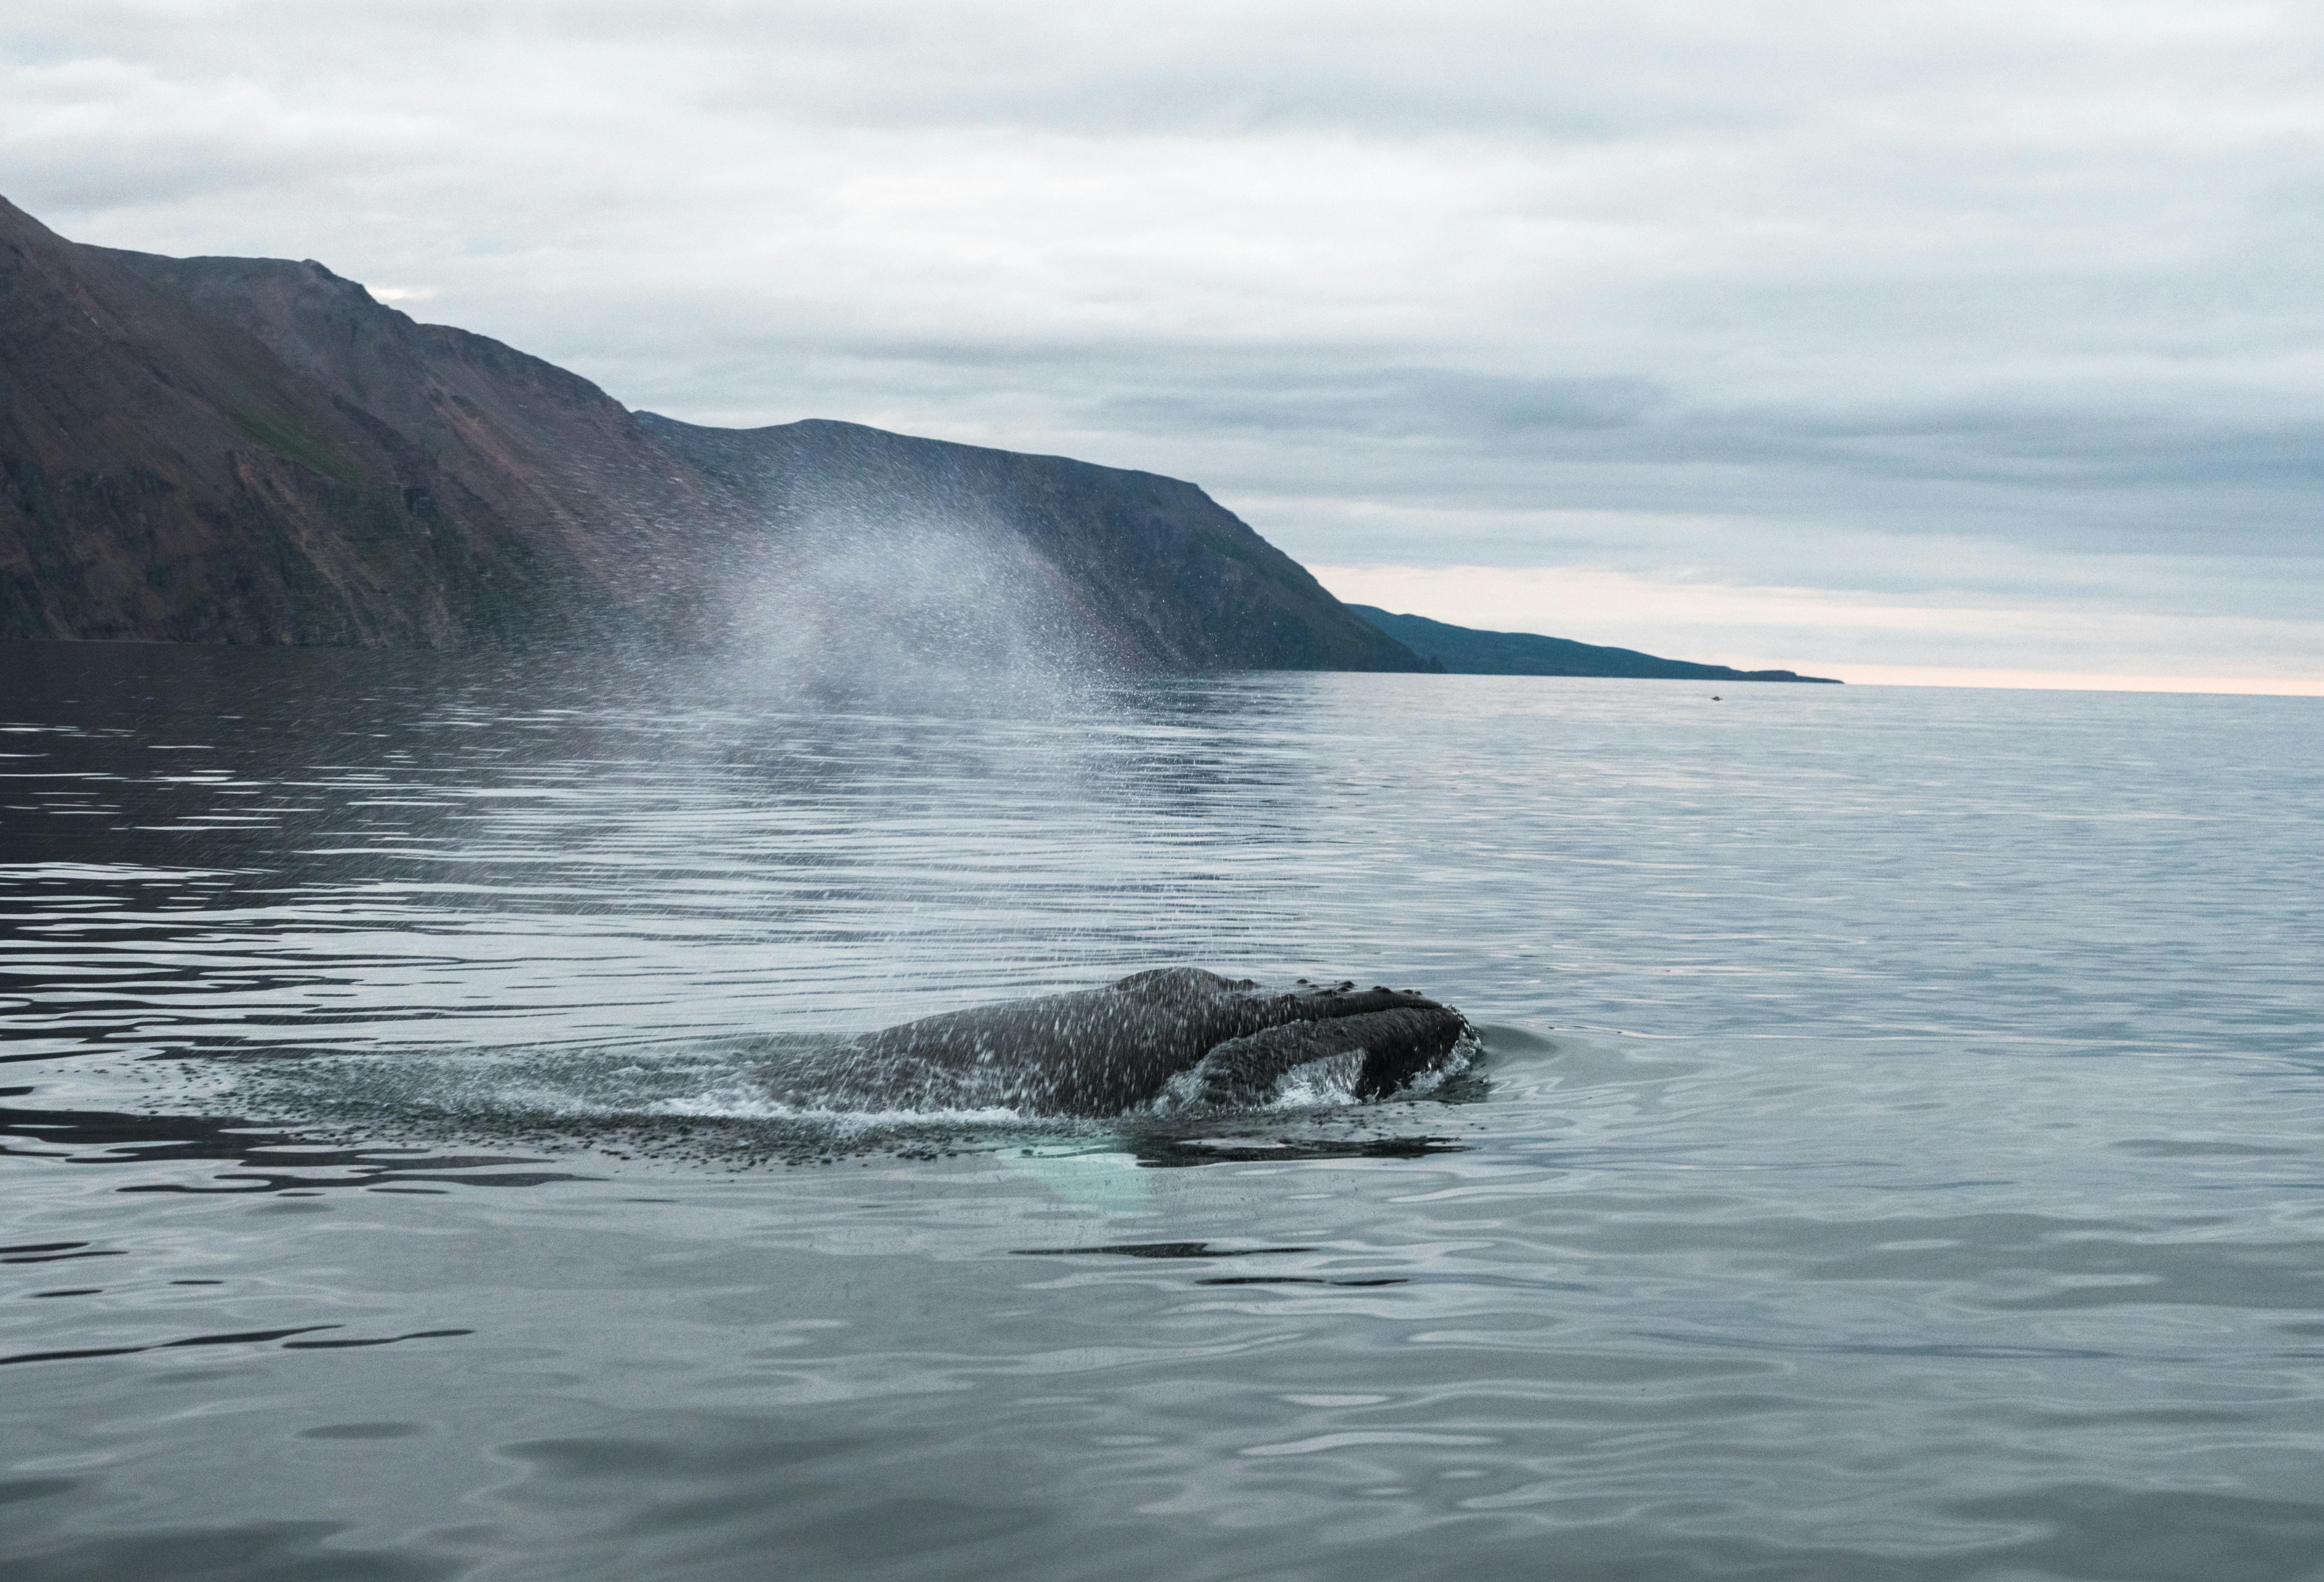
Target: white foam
(1329, 1083)
(1320, 1084)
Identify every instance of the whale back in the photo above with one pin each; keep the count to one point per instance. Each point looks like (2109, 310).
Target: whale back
(1092, 1052)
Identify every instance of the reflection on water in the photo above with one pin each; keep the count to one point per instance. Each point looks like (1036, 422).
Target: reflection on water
(1896, 1155)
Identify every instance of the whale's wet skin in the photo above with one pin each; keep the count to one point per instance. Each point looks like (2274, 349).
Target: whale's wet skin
(1175, 1037)
(447, 1133)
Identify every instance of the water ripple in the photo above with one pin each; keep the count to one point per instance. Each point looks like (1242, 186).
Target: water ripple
(1896, 1154)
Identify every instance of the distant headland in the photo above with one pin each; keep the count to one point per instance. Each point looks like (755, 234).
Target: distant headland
(1465, 651)
(254, 451)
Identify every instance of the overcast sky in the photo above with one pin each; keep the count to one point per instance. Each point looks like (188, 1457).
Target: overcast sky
(1948, 341)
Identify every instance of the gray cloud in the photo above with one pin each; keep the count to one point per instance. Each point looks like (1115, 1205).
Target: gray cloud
(2007, 303)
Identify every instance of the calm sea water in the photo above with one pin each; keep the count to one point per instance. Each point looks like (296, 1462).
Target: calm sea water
(1900, 1153)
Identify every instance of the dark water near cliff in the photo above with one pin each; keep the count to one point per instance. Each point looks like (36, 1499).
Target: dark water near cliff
(1899, 1155)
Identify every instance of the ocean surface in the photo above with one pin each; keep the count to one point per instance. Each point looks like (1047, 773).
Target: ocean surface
(1898, 1152)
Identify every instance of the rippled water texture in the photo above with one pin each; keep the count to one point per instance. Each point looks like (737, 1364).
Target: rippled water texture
(1896, 1154)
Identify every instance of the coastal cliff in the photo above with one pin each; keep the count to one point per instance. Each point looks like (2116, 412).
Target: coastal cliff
(253, 451)
(233, 450)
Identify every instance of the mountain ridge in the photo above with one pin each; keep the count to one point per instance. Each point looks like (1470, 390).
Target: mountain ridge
(168, 474)
(256, 451)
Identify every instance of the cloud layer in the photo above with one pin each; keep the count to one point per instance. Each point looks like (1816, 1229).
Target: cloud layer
(2006, 314)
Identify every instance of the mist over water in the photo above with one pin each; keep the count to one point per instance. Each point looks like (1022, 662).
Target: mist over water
(889, 585)
(855, 607)
(1894, 1156)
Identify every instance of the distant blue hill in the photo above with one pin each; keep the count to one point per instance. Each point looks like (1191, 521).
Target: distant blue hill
(1464, 651)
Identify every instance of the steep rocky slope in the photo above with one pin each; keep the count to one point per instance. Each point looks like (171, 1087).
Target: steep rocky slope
(228, 450)
(254, 451)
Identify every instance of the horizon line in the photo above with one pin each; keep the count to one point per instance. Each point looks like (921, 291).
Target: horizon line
(2073, 680)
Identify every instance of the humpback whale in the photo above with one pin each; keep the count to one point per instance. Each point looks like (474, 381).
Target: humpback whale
(1179, 1035)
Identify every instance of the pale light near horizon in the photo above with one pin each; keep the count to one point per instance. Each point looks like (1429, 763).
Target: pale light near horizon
(1816, 633)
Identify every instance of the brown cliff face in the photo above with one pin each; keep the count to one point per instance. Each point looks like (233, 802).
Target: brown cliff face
(254, 451)
(247, 451)
(559, 463)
